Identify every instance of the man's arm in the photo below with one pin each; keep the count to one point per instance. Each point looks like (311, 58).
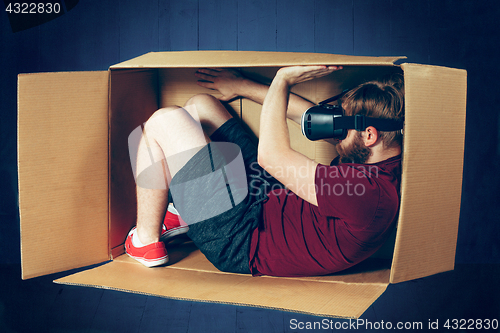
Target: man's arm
(294, 170)
(231, 84)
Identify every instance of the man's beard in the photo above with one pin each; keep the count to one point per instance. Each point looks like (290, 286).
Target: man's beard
(356, 152)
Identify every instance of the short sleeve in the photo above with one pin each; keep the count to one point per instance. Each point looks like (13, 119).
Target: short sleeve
(347, 191)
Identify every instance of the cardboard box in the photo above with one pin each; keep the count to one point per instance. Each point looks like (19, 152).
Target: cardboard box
(77, 192)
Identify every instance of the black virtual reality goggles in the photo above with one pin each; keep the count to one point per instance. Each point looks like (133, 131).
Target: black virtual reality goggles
(325, 121)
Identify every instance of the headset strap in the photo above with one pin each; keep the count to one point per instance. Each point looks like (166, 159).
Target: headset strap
(361, 122)
(334, 98)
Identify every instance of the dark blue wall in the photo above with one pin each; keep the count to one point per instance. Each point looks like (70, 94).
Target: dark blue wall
(96, 34)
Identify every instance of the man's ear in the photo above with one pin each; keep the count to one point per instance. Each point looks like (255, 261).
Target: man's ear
(371, 136)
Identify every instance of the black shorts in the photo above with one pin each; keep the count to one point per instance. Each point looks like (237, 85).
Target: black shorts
(224, 236)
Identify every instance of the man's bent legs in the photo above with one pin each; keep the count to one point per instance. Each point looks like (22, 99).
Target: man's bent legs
(170, 138)
(166, 135)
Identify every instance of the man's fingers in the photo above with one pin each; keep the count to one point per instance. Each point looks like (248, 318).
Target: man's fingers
(206, 77)
(206, 84)
(321, 70)
(209, 71)
(298, 74)
(334, 68)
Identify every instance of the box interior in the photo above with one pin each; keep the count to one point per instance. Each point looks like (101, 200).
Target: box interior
(136, 93)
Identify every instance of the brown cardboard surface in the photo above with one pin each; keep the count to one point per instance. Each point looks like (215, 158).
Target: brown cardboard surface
(63, 170)
(194, 278)
(196, 59)
(431, 187)
(178, 85)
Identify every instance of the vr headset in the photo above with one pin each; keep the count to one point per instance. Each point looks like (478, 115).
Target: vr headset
(325, 121)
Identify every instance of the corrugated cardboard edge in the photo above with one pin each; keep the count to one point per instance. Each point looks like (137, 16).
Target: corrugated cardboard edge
(299, 295)
(195, 59)
(433, 151)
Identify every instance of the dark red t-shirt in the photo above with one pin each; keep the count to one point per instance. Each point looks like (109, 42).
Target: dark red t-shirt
(357, 209)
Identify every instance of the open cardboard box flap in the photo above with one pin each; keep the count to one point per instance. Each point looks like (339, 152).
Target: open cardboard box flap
(63, 170)
(76, 193)
(222, 59)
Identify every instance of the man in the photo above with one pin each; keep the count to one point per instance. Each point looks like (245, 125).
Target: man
(318, 221)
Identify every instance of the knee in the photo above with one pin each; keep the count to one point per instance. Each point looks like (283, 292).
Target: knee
(163, 115)
(202, 100)
(165, 110)
(208, 110)
(157, 115)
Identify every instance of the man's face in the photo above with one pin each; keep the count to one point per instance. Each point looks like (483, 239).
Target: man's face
(353, 149)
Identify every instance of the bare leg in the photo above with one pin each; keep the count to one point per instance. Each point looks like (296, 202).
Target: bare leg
(167, 134)
(171, 137)
(212, 114)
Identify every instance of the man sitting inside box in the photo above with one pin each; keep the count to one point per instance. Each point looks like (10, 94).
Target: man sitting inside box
(269, 210)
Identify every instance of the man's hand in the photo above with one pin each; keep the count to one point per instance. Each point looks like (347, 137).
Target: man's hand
(297, 74)
(228, 82)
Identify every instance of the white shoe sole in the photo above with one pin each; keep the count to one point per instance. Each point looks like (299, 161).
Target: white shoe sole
(174, 232)
(151, 263)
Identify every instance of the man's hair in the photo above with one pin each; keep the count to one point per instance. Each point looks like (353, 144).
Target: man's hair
(380, 99)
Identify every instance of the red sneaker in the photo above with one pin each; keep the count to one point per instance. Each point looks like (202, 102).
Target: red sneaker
(150, 255)
(173, 225)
